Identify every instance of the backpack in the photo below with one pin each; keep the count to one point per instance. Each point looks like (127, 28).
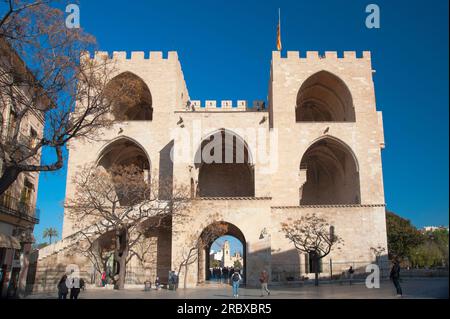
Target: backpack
(235, 277)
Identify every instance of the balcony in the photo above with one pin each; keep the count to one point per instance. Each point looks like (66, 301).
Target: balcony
(15, 207)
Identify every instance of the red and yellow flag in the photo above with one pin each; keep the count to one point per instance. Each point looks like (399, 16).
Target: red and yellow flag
(279, 46)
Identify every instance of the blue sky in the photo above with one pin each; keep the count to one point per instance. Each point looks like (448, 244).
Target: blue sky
(225, 51)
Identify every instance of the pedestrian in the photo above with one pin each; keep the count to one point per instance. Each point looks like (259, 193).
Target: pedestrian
(175, 281)
(157, 283)
(351, 271)
(225, 275)
(62, 288)
(82, 284)
(395, 277)
(74, 286)
(264, 280)
(104, 279)
(235, 280)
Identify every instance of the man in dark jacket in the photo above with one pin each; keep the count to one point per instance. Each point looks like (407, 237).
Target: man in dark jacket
(62, 288)
(395, 276)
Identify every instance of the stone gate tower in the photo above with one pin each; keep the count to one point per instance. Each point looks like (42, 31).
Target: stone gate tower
(313, 147)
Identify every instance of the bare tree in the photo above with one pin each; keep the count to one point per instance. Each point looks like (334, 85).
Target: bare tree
(43, 76)
(312, 235)
(213, 229)
(114, 209)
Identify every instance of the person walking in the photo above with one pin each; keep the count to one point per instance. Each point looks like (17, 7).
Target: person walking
(74, 286)
(230, 273)
(395, 277)
(225, 274)
(62, 288)
(351, 271)
(236, 280)
(264, 280)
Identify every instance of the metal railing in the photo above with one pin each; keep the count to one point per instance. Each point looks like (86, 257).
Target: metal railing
(13, 206)
(329, 270)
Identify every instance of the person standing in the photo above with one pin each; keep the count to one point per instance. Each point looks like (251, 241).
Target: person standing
(225, 274)
(74, 286)
(103, 278)
(264, 280)
(236, 280)
(351, 271)
(395, 277)
(62, 288)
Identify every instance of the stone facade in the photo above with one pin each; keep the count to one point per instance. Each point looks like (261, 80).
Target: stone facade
(18, 212)
(320, 128)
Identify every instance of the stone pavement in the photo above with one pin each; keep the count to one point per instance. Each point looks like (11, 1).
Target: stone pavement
(423, 288)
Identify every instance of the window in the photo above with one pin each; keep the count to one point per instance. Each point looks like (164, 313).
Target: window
(33, 138)
(332, 237)
(12, 123)
(27, 193)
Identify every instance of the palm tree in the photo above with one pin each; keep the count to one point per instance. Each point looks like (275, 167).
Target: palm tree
(50, 233)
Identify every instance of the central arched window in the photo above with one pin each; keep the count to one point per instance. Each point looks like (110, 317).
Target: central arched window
(324, 97)
(225, 168)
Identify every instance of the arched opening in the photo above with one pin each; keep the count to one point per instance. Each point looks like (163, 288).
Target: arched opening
(331, 172)
(324, 97)
(135, 100)
(225, 168)
(104, 247)
(218, 266)
(153, 252)
(225, 257)
(122, 153)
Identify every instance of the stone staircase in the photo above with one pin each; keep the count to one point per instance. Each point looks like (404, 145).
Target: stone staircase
(51, 262)
(56, 247)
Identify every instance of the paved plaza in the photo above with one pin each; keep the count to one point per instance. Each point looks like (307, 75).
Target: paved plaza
(423, 288)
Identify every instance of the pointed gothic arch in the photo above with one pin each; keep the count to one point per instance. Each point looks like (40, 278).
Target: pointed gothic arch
(331, 173)
(324, 97)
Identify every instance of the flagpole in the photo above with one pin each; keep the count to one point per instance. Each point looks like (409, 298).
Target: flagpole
(279, 18)
(279, 46)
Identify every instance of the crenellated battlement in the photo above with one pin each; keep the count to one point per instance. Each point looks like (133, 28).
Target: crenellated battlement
(224, 105)
(330, 55)
(130, 56)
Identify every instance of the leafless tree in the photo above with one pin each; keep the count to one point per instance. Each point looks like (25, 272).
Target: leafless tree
(114, 209)
(195, 243)
(43, 75)
(312, 235)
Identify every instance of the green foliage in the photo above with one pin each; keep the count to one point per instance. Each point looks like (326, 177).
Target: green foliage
(214, 263)
(237, 264)
(50, 233)
(439, 238)
(402, 236)
(427, 254)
